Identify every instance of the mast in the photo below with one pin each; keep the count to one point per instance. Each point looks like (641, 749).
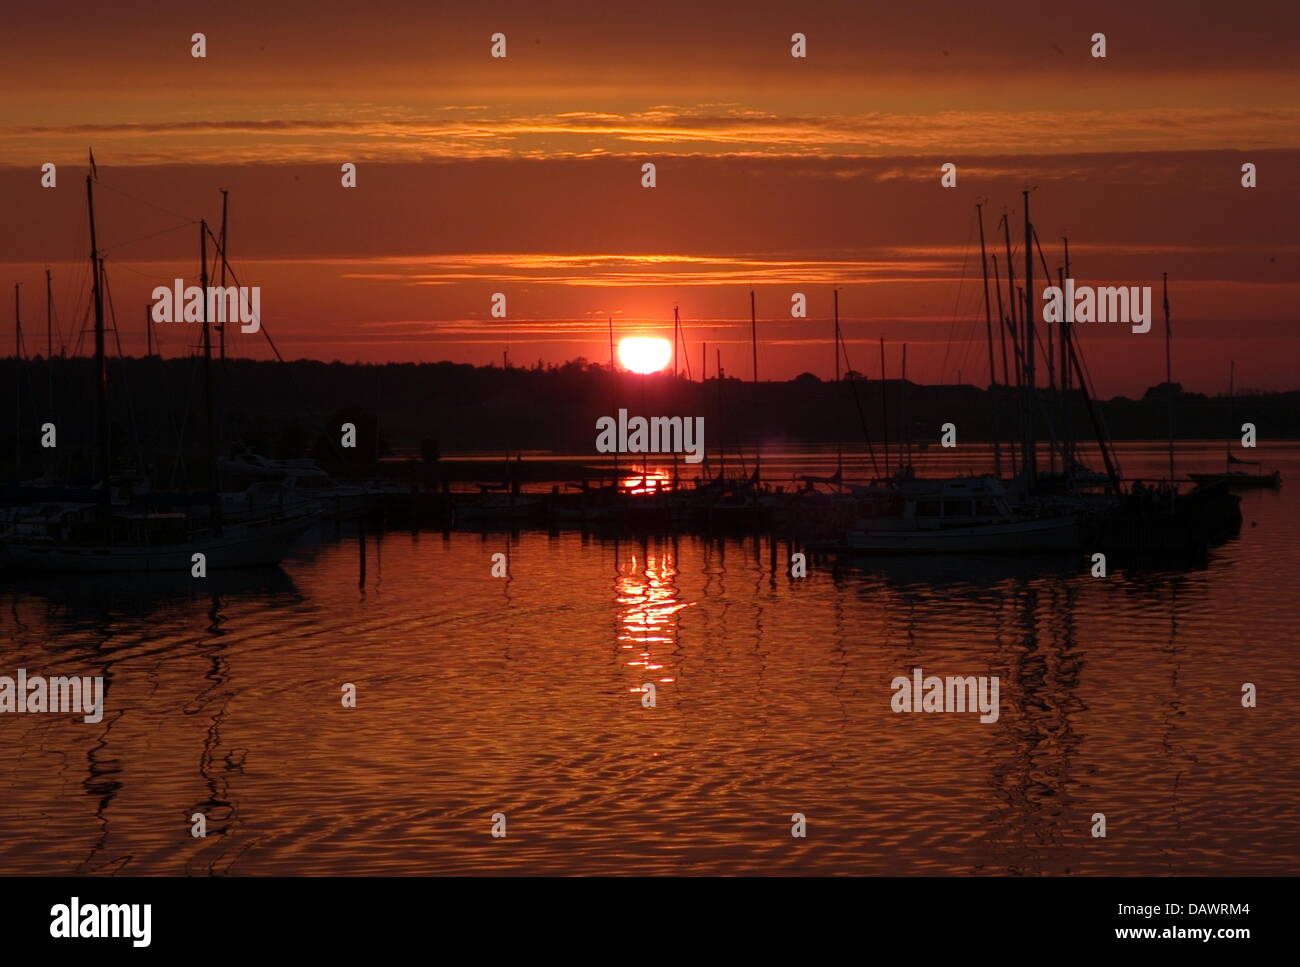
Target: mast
(1002, 338)
(677, 324)
(1050, 356)
(49, 317)
(223, 375)
(18, 397)
(49, 336)
(1232, 415)
(101, 365)
(1112, 471)
(884, 402)
(221, 328)
(215, 476)
(837, 334)
(1169, 378)
(839, 448)
(906, 438)
(1031, 455)
(1067, 470)
(753, 341)
(988, 332)
(1067, 434)
(1012, 325)
(613, 386)
(722, 447)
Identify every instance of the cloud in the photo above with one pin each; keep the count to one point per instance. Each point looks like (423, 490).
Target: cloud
(661, 131)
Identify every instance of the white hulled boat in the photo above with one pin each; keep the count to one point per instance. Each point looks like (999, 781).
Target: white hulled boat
(962, 515)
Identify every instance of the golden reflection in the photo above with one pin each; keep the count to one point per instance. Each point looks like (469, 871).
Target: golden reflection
(648, 602)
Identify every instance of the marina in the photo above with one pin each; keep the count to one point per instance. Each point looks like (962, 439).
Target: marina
(773, 695)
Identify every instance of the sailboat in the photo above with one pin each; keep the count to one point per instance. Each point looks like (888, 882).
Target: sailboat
(1237, 479)
(960, 515)
(122, 536)
(1240, 479)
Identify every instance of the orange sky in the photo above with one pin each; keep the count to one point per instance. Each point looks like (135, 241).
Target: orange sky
(522, 175)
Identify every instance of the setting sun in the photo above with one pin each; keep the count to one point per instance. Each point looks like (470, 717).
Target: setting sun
(644, 354)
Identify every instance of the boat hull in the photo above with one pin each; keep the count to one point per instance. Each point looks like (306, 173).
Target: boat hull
(1034, 534)
(1239, 481)
(244, 545)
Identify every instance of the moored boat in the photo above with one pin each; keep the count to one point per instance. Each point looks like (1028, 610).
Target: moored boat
(963, 515)
(73, 541)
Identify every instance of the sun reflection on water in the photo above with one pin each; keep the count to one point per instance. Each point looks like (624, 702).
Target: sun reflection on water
(648, 601)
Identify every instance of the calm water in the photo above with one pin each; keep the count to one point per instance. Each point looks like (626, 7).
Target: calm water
(478, 695)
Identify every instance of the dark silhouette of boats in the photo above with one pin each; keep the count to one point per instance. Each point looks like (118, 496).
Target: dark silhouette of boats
(1237, 479)
(115, 532)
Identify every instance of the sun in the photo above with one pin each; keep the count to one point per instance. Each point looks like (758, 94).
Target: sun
(644, 354)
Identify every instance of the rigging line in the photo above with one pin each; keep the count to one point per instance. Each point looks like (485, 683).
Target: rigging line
(686, 353)
(266, 333)
(1092, 391)
(74, 289)
(126, 386)
(973, 341)
(143, 238)
(125, 194)
(1048, 276)
(81, 333)
(862, 419)
(943, 366)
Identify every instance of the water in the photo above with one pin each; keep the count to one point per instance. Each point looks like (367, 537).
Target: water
(479, 695)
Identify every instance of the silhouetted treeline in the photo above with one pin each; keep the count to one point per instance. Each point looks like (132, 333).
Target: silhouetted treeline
(296, 409)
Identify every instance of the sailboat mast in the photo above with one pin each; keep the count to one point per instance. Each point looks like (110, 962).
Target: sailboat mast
(1067, 433)
(988, 332)
(1031, 455)
(677, 325)
(1003, 324)
(1169, 377)
(215, 481)
(753, 341)
(906, 438)
(49, 316)
(1232, 414)
(722, 446)
(1013, 323)
(18, 399)
(839, 448)
(613, 386)
(837, 335)
(884, 401)
(753, 334)
(101, 366)
(49, 336)
(221, 328)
